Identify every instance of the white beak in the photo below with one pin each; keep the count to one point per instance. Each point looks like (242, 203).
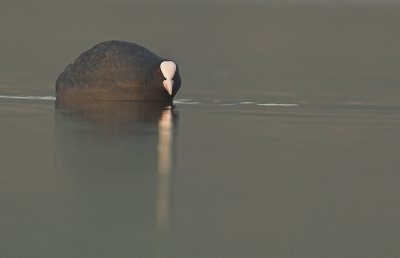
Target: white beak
(168, 84)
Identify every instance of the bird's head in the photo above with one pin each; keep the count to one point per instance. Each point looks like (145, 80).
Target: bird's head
(165, 76)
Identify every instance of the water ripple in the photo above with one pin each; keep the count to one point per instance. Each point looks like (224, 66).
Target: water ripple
(219, 102)
(278, 104)
(28, 97)
(177, 101)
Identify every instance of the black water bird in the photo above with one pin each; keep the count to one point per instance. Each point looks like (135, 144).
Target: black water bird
(119, 70)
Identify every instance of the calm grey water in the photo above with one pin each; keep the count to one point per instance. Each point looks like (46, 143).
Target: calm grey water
(223, 174)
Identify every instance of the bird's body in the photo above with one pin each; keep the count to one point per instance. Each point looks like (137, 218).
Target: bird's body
(118, 70)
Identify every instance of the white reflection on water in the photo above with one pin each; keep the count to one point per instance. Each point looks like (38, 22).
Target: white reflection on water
(165, 128)
(165, 142)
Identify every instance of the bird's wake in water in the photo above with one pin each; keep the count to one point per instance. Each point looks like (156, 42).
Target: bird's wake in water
(28, 97)
(223, 103)
(177, 101)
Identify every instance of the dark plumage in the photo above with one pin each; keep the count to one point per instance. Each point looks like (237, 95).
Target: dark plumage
(118, 70)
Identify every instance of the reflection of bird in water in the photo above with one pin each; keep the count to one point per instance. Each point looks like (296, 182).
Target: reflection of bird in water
(114, 113)
(117, 157)
(118, 70)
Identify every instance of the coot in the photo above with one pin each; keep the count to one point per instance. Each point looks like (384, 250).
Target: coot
(119, 70)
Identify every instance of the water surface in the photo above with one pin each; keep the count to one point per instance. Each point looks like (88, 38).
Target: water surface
(283, 141)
